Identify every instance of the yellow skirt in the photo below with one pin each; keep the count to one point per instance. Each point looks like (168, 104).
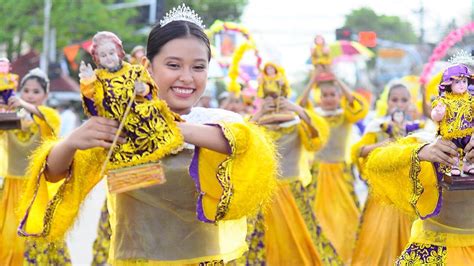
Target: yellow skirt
(336, 208)
(12, 246)
(15, 250)
(287, 240)
(383, 234)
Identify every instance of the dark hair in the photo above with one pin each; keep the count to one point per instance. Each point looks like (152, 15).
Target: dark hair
(38, 75)
(159, 36)
(396, 86)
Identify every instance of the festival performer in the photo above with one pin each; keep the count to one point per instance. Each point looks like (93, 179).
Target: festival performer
(404, 174)
(334, 197)
(39, 124)
(225, 171)
(288, 233)
(384, 230)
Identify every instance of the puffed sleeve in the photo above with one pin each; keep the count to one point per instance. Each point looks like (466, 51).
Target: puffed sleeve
(367, 139)
(239, 184)
(357, 110)
(317, 122)
(49, 123)
(49, 214)
(397, 176)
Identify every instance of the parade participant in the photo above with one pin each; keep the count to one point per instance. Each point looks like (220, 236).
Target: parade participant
(384, 230)
(225, 171)
(41, 123)
(403, 174)
(341, 108)
(288, 233)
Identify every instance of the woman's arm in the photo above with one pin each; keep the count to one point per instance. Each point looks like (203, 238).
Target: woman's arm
(15, 102)
(346, 91)
(96, 132)
(205, 136)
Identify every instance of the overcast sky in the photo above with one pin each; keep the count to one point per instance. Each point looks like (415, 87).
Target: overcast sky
(284, 29)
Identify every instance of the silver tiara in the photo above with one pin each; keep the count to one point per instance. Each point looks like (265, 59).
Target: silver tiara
(462, 57)
(182, 13)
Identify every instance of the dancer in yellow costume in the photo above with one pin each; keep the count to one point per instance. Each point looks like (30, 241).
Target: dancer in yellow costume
(39, 124)
(225, 171)
(403, 174)
(335, 203)
(384, 230)
(288, 233)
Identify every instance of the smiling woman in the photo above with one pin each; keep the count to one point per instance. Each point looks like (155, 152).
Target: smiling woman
(213, 181)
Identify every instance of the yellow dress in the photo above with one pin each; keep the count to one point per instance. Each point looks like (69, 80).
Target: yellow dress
(384, 230)
(335, 203)
(157, 225)
(288, 233)
(444, 232)
(18, 145)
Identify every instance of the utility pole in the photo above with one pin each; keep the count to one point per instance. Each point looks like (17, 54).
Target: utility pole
(44, 62)
(421, 16)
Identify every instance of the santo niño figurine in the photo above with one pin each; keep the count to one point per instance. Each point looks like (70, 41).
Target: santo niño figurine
(8, 84)
(273, 83)
(116, 87)
(399, 126)
(320, 54)
(454, 111)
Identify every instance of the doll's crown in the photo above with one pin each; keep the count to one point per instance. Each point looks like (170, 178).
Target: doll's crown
(182, 13)
(462, 57)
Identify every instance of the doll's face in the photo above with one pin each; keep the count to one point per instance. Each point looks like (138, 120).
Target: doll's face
(399, 98)
(270, 71)
(319, 40)
(398, 116)
(33, 93)
(4, 67)
(108, 55)
(180, 71)
(330, 96)
(459, 86)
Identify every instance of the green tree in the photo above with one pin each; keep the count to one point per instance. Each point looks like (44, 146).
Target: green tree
(74, 21)
(391, 28)
(210, 10)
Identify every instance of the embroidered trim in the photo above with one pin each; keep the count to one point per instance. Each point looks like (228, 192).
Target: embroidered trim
(414, 172)
(50, 208)
(223, 176)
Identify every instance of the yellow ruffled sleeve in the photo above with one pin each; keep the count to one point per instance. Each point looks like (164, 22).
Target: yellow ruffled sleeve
(397, 176)
(304, 131)
(367, 139)
(239, 184)
(146, 78)
(50, 124)
(49, 216)
(357, 110)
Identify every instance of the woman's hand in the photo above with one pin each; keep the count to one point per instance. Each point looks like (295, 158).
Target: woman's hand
(95, 132)
(268, 106)
(287, 105)
(440, 151)
(469, 151)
